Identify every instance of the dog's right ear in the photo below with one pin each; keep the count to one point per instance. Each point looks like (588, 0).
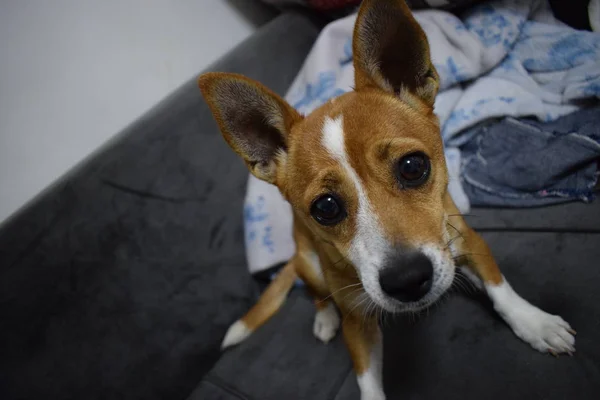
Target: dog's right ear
(391, 52)
(254, 121)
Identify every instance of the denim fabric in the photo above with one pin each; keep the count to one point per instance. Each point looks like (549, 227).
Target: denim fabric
(522, 162)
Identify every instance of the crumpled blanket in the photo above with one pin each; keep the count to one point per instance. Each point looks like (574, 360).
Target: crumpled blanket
(502, 58)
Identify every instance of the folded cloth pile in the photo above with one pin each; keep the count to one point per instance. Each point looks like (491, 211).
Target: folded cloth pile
(505, 58)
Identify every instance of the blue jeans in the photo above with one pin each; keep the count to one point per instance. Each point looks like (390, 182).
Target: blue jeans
(524, 162)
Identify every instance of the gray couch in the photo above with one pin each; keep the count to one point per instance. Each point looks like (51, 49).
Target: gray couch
(120, 281)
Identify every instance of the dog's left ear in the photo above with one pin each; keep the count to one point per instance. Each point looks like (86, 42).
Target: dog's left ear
(254, 121)
(391, 51)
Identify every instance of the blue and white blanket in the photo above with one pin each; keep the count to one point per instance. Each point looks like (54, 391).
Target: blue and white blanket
(503, 58)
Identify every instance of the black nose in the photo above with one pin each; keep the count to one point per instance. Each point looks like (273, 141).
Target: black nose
(408, 277)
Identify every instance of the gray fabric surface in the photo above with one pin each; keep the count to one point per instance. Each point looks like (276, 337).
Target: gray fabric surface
(283, 360)
(119, 283)
(460, 348)
(571, 217)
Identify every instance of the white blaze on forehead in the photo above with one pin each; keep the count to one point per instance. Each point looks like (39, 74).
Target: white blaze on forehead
(369, 245)
(333, 140)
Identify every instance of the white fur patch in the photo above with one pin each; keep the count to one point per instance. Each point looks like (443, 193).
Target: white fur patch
(443, 273)
(333, 139)
(543, 331)
(370, 382)
(327, 323)
(235, 334)
(369, 245)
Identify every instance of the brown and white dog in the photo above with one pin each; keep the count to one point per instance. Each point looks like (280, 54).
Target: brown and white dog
(365, 173)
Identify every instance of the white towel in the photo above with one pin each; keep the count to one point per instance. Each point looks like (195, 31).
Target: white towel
(501, 58)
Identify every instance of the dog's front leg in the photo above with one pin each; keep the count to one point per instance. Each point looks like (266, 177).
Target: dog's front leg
(544, 332)
(364, 341)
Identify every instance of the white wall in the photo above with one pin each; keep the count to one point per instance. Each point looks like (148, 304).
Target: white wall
(75, 72)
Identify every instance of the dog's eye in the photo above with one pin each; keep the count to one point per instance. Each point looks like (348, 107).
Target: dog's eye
(327, 210)
(413, 169)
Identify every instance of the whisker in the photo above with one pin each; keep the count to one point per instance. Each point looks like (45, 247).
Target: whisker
(445, 298)
(325, 240)
(339, 261)
(364, 297)
(456, 229)
(471, 254)
(367, 315)
(459, 283)
(452, 241)
(339, 290)
(357, 298)
(373, 309)
(470, 284)
(364, 316)
(352, 292)
(465, 286)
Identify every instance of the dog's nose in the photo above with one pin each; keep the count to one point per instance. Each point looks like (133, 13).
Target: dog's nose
(409, 278)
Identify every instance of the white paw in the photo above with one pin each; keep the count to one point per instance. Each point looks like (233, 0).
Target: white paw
(327, 322)
(543, 331)
(236, 333)
(370, 387)
(375, 394)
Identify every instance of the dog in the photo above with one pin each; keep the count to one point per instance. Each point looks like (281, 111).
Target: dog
(365, 174)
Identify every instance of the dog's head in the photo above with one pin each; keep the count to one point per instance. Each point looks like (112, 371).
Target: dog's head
(366, 171)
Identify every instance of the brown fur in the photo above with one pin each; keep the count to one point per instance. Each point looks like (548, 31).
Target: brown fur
(272, 298)
(390, 114)
(360, 336)
(474, 251)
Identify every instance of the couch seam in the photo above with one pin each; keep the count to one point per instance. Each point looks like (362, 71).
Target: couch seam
(538, 230)
(215, 381)
(342, 379)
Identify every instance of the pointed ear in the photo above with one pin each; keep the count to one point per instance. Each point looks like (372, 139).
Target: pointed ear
(254, 121)
(391, 51)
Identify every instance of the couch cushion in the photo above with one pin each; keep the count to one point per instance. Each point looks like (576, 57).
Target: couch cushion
(282, 360)
(460, 348)
(569, 217)
(121, 280)
(464, 350)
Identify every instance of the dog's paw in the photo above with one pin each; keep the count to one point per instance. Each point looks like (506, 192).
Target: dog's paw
(235, 334)
(544, 332)
(327, 322)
